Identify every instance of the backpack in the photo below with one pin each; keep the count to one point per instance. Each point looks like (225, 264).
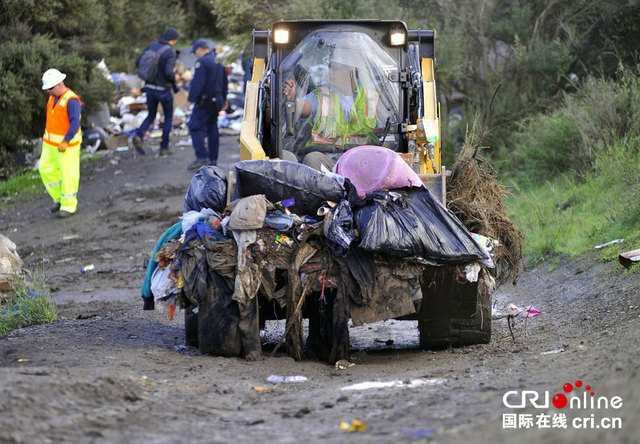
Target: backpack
(148, 63)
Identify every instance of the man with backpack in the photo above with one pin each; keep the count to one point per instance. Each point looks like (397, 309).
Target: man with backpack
(155, 67)
(208, 93)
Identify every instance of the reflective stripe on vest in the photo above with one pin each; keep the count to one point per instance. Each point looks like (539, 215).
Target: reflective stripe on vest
(331, 119)
(58, 123)
(372, 104)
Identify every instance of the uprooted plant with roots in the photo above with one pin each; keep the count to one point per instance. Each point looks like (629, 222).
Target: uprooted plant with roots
(476, 197)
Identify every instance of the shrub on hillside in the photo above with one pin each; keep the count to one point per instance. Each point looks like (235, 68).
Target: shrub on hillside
(22, 102)
(570, 139)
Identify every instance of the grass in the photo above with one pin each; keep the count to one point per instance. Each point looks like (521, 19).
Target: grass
(29, 305)
(30, 183)
(22, 184)
(571, 215)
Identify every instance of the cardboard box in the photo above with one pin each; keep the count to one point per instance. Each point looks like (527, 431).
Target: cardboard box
(180, 99)
(113, 142)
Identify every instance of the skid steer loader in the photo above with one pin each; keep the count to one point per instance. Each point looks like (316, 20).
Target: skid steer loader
(396, 67)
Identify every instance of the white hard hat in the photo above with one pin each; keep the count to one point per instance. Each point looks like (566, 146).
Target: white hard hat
(51, 78)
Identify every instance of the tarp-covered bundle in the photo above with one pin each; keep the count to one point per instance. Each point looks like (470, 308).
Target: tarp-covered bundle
(410, 222)
(280, 180)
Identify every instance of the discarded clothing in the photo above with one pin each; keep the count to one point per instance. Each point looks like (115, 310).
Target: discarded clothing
(278, 221)
(249, 213)
(172, 233)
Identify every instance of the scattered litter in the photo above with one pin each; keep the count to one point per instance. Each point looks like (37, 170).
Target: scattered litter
(23, 360)
(259, 388)
(282, 239)
(65, 259)
(70, 237)
(418, 433)
(607, 244)
(87, 268)
(410, 383)
(140, 199)
(553, 352)
(471, 271)
(116, 172)
(277, 379)
(627, 258)
(524, 313)
(353, 426)
(171, 308)
(343, 364)
(122, 148)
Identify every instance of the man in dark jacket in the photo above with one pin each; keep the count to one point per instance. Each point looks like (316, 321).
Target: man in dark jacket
(159, 90)
(208, 93)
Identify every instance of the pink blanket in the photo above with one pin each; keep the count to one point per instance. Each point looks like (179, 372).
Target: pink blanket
(371, 168)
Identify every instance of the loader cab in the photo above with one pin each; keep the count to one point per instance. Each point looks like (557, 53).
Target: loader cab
(343, 96)
(331, 85)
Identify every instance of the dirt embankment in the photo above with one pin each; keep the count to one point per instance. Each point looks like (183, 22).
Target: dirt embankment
(108, 371)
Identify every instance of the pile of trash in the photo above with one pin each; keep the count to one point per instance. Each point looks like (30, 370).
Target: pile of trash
(327, 246)
(111, 127)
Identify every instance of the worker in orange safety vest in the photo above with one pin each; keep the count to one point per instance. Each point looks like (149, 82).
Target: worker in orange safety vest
(60, 159)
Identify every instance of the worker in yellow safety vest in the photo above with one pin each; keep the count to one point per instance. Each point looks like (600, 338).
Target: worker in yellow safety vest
(344, 113)
(60, 160)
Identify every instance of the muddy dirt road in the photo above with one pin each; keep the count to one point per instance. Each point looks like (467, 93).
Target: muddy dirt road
(110, 372)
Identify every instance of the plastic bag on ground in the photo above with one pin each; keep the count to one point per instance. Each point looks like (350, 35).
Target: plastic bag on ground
(373, 168)
(410, 222)
(280, 180)
(208, 189)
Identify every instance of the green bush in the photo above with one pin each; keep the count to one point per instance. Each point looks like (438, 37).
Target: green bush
(548, 146)
(570, 215)
(568, 140)
(22, 104)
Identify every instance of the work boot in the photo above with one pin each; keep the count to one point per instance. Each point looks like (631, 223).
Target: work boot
(137, 144)
(55, 207)
(197, 164)
(64, 214)
(165, 152)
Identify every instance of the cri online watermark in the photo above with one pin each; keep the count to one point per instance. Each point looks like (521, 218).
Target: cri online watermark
(581, 398)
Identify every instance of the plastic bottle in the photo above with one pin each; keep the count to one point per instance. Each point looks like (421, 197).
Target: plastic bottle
(87, 268)
(277, 379)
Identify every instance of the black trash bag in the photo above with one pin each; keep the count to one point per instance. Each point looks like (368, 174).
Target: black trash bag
(338, 229)
(410, 222)
(208, 189)
(279, 180)
(218, 319)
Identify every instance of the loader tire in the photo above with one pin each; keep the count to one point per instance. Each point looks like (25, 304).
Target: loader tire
(453, 313)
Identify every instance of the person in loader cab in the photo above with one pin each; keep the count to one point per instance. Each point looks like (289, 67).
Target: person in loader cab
(343, 113)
